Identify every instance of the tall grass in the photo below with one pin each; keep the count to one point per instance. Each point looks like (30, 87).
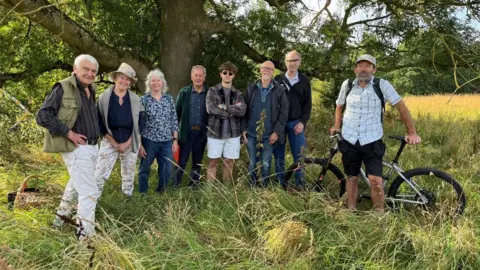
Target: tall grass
(216, 227)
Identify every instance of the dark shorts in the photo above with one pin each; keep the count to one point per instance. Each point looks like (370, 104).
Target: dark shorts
(370, 154)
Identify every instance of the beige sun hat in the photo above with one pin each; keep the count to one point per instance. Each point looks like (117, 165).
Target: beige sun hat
(368, 58)
(126, 70)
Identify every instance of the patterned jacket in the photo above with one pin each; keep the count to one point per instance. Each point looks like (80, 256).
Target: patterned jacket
(235, 112)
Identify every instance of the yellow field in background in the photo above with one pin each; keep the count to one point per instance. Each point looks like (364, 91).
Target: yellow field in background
(445, 106)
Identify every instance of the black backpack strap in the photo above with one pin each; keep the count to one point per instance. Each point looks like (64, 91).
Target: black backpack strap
(349, 89)
(378, 91)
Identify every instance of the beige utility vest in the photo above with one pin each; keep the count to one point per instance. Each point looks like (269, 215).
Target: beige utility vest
(68, 113)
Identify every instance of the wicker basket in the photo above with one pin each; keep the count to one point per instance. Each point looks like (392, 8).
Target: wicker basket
(28, 197)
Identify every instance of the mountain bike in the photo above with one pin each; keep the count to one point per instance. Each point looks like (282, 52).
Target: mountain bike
(431, 189)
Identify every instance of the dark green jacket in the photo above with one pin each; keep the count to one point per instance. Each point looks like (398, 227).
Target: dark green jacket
(183, 112)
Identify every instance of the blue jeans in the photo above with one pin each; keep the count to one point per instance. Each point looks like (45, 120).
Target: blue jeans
(162, 151)
(296, 144)
(196, 142)
(265, 159)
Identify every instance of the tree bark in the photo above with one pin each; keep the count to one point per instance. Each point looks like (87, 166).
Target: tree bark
(182, 38)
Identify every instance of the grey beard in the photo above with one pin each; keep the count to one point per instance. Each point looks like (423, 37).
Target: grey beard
(363, 78)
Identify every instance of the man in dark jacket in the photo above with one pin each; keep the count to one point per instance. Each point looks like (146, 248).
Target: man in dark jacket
(193, 119)
(299, 94)
(264, 121)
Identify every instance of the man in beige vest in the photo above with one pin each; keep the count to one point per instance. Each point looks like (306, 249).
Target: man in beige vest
(69, 117)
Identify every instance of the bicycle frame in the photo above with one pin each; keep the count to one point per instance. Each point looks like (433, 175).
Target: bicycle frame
(410, 193)
(393, 167)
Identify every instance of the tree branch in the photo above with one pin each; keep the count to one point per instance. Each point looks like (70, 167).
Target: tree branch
(278, 4)
(28, 73)
(369, 20)
(237, 37)
(79, 39)
(317, 16)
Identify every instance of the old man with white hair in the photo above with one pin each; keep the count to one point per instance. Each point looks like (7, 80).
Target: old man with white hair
(69, 117)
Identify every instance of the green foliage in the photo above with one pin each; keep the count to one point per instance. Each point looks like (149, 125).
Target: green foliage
(217, 51)
(26, 46)
(128, 24)
(7, 138)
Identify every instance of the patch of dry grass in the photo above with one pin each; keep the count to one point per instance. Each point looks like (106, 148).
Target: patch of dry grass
(454, 107)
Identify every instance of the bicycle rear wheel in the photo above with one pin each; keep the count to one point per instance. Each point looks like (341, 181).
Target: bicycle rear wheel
(444, 194)
(332, 183)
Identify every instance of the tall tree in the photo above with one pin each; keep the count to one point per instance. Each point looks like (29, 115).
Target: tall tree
(175, 35)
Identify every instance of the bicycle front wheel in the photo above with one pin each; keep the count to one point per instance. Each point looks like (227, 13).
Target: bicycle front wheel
(444, 195)
(332, 183)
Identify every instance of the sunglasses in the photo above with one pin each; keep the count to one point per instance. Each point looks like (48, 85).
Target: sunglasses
(227, 72)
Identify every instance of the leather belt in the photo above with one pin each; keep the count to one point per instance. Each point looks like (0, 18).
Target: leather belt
(91, 142)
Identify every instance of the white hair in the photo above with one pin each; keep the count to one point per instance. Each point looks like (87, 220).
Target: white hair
(159, 74)
(86, 57)
(199, 67)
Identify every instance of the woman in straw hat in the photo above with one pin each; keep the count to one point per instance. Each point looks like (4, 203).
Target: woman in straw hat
(119, 119)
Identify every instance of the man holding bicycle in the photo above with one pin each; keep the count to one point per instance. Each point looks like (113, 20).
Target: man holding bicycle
(362, 127)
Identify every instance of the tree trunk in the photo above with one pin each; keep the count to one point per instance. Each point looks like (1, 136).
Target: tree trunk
(181, 40)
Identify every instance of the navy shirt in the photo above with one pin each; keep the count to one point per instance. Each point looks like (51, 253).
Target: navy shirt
(262, 100)
(198, 107)
(120, 119)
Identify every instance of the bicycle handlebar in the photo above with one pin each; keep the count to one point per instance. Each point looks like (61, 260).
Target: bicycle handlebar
(397, 137)
(336, 135)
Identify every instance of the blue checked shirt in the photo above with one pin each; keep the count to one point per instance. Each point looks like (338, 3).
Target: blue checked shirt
(362, 117)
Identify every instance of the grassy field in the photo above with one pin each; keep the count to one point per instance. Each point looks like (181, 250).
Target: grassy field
(238, 228)
(455, 107)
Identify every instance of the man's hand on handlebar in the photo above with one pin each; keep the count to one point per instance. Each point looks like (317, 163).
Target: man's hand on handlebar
(334, 130)
(413, 139)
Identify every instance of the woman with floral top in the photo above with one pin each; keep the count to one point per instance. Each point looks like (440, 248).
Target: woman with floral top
(160, 134)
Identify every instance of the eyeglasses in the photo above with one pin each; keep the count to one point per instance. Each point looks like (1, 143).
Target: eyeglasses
(227, 72)
(293, 60)
(267, 68)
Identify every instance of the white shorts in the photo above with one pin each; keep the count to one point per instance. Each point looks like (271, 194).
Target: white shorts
(229, 147)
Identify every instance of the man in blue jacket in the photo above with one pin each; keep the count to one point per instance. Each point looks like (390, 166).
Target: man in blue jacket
(268, 98)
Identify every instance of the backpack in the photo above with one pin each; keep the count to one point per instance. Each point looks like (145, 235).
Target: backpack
(376, 87)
